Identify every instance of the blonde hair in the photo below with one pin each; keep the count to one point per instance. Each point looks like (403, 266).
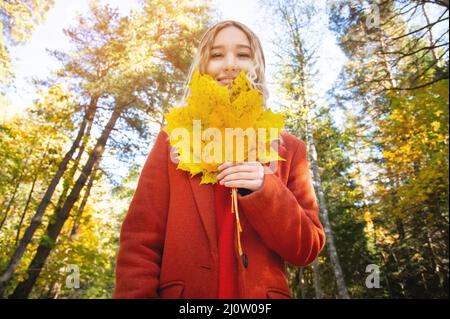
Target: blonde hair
(256, 74)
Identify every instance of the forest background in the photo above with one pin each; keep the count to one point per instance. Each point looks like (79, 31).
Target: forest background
(84, 86)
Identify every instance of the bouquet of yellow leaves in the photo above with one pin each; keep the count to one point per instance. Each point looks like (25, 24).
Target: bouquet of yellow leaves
(219, 124)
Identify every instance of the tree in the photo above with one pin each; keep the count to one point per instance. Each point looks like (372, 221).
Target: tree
(297, 73)
(18, 19)
(118, 63)
(390, 68)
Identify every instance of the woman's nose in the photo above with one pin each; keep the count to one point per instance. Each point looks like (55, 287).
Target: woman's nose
(230, 64)
(231, 69)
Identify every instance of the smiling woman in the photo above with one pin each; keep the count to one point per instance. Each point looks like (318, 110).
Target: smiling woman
(180, 238)
(227, 48)
(228, 57)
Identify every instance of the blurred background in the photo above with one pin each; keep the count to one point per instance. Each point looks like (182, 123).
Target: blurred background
(84, 85)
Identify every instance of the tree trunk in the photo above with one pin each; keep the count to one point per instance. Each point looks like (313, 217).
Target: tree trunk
(30, 194)
(387, 66)
(302, 283)
(36, 220)
(76, 222)
(24, 212)
(317, 288)
(54, 229)
(69, 178)
(338, 273)
(430, 35)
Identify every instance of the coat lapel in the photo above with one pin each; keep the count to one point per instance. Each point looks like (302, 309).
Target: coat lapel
(204, 198)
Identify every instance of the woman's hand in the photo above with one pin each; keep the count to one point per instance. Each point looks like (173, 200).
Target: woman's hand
(249, 175)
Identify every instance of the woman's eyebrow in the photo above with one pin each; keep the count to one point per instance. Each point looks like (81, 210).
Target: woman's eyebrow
(239, 46)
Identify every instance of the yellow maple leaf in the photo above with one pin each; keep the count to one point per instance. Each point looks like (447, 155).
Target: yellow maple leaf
(218, 110)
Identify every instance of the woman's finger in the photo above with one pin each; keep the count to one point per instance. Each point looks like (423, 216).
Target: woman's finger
(239, 176)
(237, 168)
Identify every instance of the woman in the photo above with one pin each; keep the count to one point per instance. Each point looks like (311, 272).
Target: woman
(178, 239)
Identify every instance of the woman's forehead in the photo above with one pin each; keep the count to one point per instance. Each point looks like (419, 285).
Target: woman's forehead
(230, 36)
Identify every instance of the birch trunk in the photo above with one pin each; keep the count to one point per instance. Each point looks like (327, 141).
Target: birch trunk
(338, 273)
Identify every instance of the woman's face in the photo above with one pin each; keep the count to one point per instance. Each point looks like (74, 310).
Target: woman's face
(230, 54)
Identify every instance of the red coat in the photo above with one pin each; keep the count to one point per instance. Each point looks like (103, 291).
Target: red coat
(168, 241)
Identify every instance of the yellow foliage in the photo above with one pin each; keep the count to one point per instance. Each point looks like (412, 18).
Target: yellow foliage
(218, 109)
(436, 125)
(384, 236)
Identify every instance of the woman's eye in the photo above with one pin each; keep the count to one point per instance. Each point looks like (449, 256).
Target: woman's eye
(241, 55)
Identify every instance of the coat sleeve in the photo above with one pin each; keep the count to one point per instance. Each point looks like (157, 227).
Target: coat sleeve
(286, 217)
(142, 232)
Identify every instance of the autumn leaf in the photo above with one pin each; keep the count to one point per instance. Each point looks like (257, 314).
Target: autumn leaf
(217, 109)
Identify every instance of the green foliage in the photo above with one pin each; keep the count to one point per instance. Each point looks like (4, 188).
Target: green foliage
(405, 206)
